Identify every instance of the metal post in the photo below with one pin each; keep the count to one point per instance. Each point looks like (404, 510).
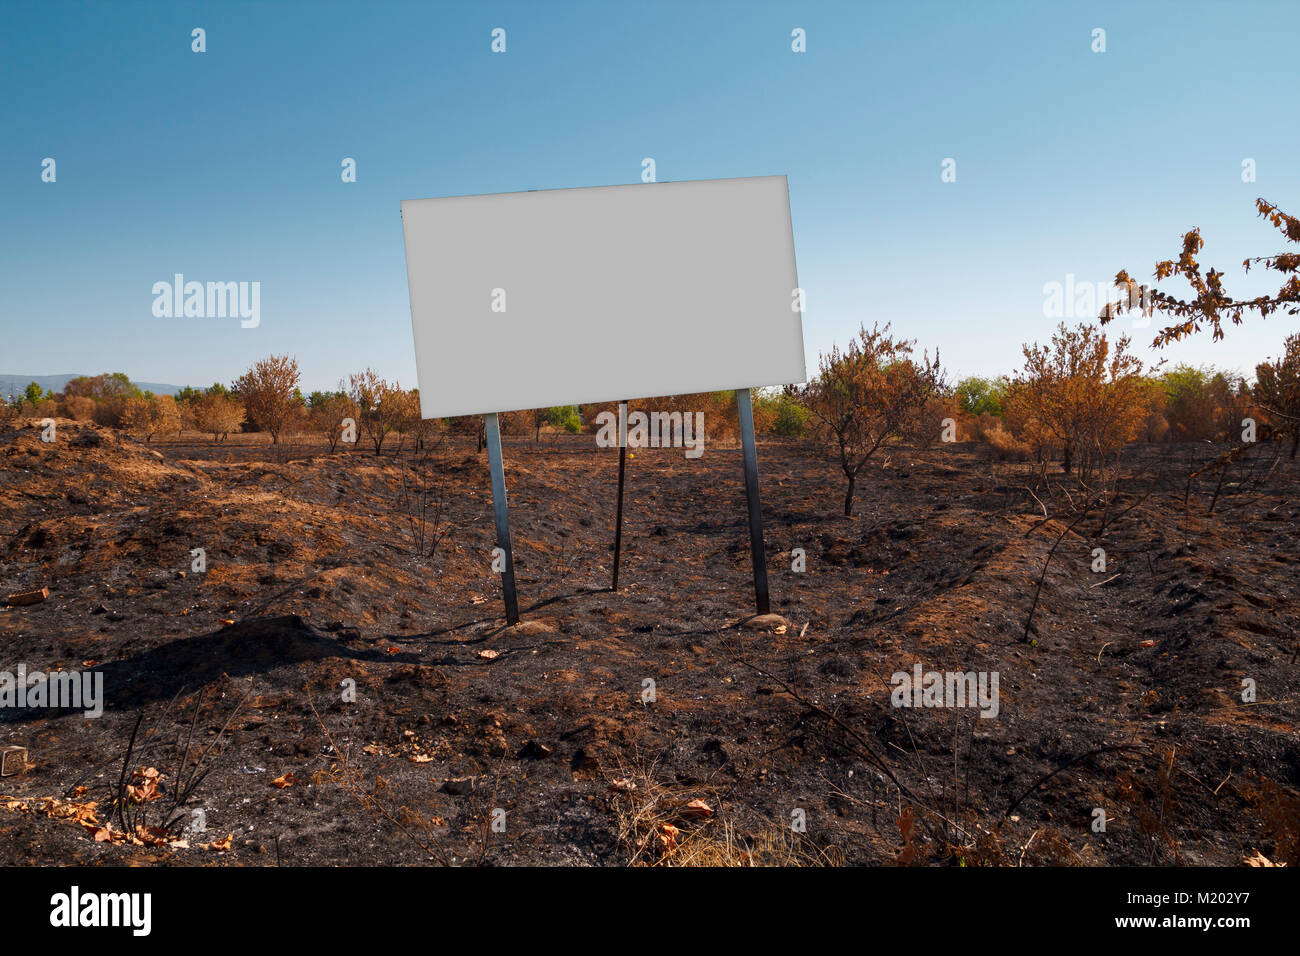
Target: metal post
(502, 514)
(622, 467)
(746, 412)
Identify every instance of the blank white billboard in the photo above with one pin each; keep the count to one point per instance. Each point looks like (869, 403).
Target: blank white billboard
(568, 296)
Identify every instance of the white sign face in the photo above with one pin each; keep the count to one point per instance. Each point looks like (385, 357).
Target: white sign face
(569, 296)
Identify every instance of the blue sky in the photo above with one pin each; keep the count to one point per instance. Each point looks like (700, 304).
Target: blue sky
(225, 165)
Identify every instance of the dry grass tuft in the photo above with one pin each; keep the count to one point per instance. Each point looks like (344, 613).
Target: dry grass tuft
(662, 825)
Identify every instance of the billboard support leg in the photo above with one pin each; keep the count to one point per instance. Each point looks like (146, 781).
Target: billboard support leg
(746, 414)
(622, 469)
(499, 509)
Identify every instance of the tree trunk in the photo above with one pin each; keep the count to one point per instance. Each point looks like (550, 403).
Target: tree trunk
(848, 498)
(1295, 443)
(1069, 458)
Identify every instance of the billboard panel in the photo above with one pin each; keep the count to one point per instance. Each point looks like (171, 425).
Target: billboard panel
(568, 296)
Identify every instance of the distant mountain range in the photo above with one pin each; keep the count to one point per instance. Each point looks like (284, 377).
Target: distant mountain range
(16, 384)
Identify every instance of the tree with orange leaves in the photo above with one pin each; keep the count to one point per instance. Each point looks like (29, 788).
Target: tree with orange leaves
(869, 393)
(268, 390)
(1081, 394)
(1211, 304)
(1277, 389)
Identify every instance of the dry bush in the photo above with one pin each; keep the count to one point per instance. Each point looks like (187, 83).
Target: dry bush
(79, 408)
(329, 416)
(1153, 805)
(871, 392)
(1277, 390)
(269, 393)
(927, 424)
(151, 415)
(1190, 405)
(986, 422)
(467, 425)
(1156, 428)
(108, 392)
(406, 417)
(517, 423)
(217, 414)
(721, 416)
(422, 500)
(381, 404)
(1081, 394)
(1005, 446)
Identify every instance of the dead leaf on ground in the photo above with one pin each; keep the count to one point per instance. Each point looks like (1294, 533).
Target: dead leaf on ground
(223, 844)
(144, 785)
(697, 808)
(1259, 859)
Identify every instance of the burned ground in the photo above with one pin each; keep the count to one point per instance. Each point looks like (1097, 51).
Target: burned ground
(1124, 693)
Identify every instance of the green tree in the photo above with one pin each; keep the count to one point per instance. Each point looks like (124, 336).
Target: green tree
(982, 396)
(566, 417)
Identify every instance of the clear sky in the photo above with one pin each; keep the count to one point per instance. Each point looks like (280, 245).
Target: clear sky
(225, 165)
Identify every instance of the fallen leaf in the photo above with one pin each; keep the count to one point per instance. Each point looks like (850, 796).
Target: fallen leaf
(284, 780)
(1259, 859)
(697, 808)
(144, 785)
(218, 844)
(668, 836)
(488, 654)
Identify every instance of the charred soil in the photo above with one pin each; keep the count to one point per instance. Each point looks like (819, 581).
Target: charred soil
(338, 686)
